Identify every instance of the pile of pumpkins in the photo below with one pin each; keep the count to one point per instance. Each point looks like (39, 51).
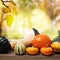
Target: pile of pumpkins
(41, 43)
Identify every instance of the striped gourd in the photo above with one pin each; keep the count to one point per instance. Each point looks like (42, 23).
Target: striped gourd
(4, 45)
(19, 49)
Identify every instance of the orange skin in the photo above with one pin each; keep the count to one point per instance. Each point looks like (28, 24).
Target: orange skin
(56, 46)
(32, 50)
(41, 40)
(46, 51)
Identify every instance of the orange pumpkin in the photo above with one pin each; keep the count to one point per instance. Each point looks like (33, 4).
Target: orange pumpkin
(46, 51)
(32, 50)
(56, 47)
(41, 40)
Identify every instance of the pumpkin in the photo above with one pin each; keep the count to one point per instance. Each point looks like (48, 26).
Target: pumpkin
(19, 49)
(12, 44)
(41, 40)
(32, 50)
(4, 45)
(57, 39)
(46, 51)
(56, 47)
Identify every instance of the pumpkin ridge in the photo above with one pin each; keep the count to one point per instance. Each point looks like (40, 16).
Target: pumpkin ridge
(15, 49)
(20, 49)
(4, 45)
(23, 48)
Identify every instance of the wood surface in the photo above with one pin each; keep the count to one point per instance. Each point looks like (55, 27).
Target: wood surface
(13, 56)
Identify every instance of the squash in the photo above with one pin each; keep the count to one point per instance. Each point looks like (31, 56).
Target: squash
(41, 40)
(29, 35)
(12, 44)
(57, 39)
(19, 49)
(46, 51)
(4, 45)
(56, 47)
(32, 50)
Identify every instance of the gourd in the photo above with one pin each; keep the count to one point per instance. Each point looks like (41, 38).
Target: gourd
(32, 50)
(56, 47)
(19, 49)
(29, 35)
(4, 45)
(46, 51)
(12, 44)
(57, 39)
(40, 40)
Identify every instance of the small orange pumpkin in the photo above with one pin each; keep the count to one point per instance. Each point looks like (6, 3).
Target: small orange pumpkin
(56, 47)
(32, 50)
(46, 51)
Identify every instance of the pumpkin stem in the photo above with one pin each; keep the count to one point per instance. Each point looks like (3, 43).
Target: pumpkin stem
(59, 32)
(35, 31)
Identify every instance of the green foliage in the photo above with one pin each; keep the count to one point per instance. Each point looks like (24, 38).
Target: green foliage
(51, 33)
(26, 5)
(9, 19)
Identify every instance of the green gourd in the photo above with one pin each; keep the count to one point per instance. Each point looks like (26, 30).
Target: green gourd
(4, 45)
(19, 49)
(57, 39)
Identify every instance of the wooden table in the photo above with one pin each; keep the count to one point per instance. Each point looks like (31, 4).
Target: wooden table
(12, 56)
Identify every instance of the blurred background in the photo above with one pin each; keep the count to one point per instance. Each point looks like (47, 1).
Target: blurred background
(17, 17)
